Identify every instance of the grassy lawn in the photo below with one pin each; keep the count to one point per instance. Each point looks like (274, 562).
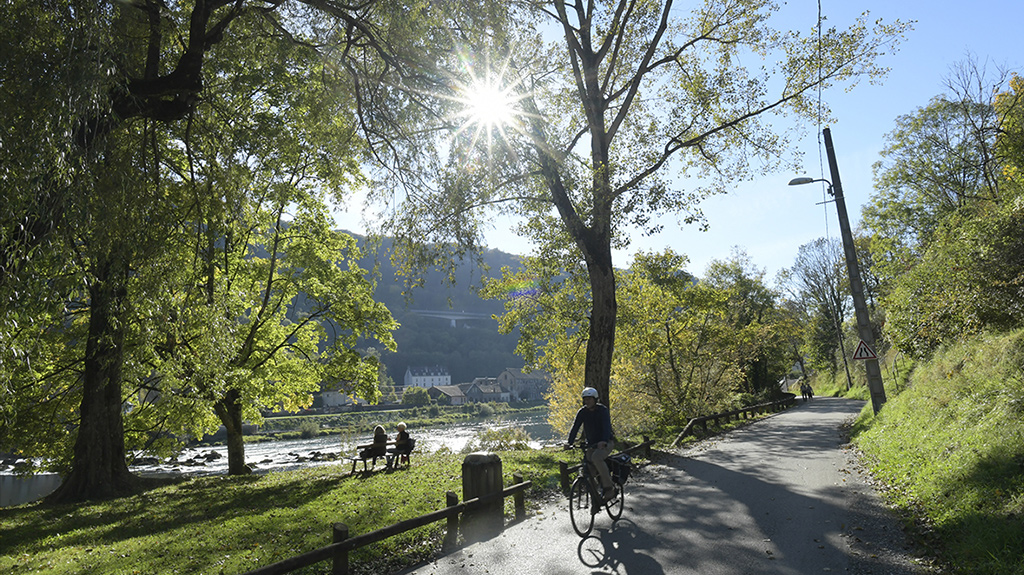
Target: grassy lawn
(231, 525)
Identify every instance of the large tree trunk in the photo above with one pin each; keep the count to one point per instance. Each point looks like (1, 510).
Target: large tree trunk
(229, 409)
(601, 337)
(98, 468)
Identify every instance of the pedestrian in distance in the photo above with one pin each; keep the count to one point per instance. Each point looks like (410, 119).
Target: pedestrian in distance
(597, 430)
(805, 391)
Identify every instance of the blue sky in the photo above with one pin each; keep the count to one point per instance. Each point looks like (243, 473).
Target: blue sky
(770, 220)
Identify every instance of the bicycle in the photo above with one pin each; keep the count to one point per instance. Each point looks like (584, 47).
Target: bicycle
(585, 498)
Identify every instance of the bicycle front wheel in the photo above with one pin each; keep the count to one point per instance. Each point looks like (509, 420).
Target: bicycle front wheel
(579, 507)
(615, 506)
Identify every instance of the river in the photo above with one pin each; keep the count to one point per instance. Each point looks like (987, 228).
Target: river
(296, 453)
(284, 455)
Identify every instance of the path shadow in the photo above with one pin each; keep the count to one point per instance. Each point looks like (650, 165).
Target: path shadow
(619, 550)
(772, 497)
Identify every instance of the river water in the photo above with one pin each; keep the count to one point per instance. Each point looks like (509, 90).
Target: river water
(297, 453)
(288, 454)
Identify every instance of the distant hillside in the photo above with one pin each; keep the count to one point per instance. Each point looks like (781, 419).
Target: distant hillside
(473, 348)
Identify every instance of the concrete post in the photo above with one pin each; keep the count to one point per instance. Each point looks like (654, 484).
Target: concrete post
(874, 372)
(481, 476)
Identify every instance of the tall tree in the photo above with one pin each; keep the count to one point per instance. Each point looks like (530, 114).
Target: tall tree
(821, 285)
(753, 314)
(283, 297)
(97, 189)
(965, 276)
(938, 160)
(627, 99)
(103, 96)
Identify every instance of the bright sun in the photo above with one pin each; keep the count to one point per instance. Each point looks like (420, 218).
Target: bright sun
(488, 106)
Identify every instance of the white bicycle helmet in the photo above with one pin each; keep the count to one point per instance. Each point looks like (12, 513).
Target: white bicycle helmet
(590, 392)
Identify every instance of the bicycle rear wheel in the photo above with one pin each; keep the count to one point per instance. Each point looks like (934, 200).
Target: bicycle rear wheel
(615, 506)
(579, 507)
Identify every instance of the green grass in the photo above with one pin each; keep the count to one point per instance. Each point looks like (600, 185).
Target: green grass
(221, 524)
(950, 447)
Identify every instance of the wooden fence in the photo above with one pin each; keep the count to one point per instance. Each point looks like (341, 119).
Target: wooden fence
(745, 413)
(342, 544)
(565, 471)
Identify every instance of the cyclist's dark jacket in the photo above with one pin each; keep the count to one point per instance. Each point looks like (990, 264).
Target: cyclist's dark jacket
(597, 425)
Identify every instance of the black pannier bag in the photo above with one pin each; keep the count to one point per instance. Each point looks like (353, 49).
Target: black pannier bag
(620, 465)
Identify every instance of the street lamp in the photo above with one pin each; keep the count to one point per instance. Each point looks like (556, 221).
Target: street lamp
(867, 337)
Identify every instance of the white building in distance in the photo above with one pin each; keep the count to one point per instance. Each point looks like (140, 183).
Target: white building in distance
(427, 377)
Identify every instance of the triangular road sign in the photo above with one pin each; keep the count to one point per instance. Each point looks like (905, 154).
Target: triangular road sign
(864, 352)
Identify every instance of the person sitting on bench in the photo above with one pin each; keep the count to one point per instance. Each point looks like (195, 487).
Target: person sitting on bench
(403, 445)
(379, 446)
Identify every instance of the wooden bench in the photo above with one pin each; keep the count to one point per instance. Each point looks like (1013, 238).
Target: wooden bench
(372, 458)
(387, 456)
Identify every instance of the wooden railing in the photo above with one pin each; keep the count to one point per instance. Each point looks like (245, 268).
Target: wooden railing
(744, 412)
(338, 550)
(565, 470)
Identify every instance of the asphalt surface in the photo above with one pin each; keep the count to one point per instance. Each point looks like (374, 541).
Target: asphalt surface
(782, 495)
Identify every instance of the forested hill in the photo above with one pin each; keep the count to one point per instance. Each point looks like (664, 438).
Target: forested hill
(473, 348)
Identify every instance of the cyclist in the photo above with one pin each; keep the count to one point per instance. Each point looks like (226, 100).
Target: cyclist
(597, 429)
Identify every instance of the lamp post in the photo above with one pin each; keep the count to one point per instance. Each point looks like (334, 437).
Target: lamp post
(867, 337)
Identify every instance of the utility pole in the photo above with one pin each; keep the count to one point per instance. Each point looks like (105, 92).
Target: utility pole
(867, 336)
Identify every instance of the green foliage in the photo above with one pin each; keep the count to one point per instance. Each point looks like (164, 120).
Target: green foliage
(968, 280)
(195, 258)
(499, 439)
(309, 429)
(683, 347)
(677, 355)
(951, 447)
(753, 315)
(582, 160)
(821, 341)
(946, 224)
(415, 396)
(934, 164)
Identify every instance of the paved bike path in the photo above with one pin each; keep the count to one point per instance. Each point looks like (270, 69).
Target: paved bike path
(782, 495)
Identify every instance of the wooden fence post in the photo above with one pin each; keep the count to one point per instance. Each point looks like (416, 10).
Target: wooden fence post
(517, 497)
(647, 447)
(563, 475)
(451, 538)
(340, 556)
(481, 476)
